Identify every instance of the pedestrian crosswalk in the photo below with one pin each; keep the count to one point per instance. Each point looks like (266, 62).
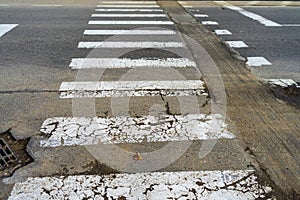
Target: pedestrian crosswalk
(85, 130)
(159, 185)
(252, 61)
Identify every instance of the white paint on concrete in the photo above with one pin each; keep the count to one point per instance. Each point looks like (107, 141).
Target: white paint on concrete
(129, 32)
(213, 185)
(127, 2)
(128, 10)
(236, 44)
(129, 15)
(5, 28)
(210, 23)
(222, 32)
(101, 63)
(282, 82)
(128, 6)
(131, 88)
(249, 14)
(125, 129)
(257, 61)
(132, 22)
(200, 15)
(131, 44)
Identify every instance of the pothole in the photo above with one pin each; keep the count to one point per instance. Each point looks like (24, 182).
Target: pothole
(13, 154)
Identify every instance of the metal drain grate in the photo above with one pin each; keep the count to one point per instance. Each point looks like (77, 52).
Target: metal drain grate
(7, 157)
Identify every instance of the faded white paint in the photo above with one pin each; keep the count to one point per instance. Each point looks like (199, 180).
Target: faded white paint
(210, 23)
(124, 129)
(129, 32)
(129, 15)
(200, 15)
(86, 63)
(110, 22)
(282, 82)
(257, 61)
(213, 185)
(4, 28)
(249, 14)
(291, 25)
(222, 32)
(131, 44)
(131, 88)
(128, 6)
(128, 10)
(127, 2)
(236, 44)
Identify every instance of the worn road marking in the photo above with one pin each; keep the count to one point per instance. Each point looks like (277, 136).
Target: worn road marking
(128, 10)
(131, 88)
(86, 63)
(129, 32)
(236, 44)
(210, 23)
(285, 83)
(129, 15)
(111, 22)
(127, 2)
(249, 14)
(234, 185)
(257, 61)
(295, 25)
(128, 6)
(124, 129)
(4, 28)
(200, 15)
(130, 45)
(222, 32)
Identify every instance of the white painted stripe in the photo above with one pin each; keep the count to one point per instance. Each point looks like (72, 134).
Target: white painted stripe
(128, 6)
(131, 88)
(249, 14)
(4, 28)
(222, 32)
(282, 82)
(110, 22)
(210, 23)
(128, 10)
(236, 44)
(233, 185)
(295, 25)
(128, 15)
(257, 61)
(85, 63)
(200, 15)
(129, 32)
(4, 5)
(127, 2)
(124, 129)
(132, 44)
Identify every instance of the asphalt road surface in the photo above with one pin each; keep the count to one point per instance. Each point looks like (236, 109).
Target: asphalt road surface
(139, 100)
(277, 44)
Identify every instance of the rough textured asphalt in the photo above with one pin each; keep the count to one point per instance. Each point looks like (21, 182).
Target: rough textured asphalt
(48, 38)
